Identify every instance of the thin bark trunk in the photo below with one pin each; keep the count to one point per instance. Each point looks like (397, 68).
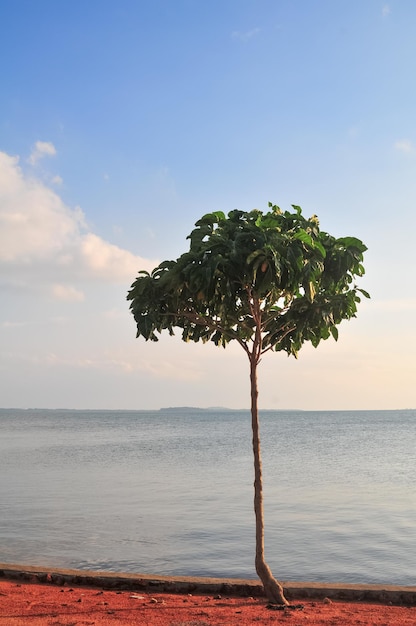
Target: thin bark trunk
(273, 589)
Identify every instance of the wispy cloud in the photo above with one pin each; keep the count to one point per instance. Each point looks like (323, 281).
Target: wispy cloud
(385, 11)
(404, 145)
(7, 324)
(67, 293)
(353, 132)
(84, 362)
(397, 306)
(168, 370)
(40, 150)
(246, 35)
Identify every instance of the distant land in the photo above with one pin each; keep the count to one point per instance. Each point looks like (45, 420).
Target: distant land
(180, 409)
(176, 409)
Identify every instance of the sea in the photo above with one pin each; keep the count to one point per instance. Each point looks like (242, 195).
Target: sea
(170, 492)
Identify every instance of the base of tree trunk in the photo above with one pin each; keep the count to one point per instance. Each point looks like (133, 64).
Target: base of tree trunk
(272, 588)
(274, 592)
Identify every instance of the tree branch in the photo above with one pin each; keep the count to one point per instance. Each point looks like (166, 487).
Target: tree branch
(256, 314)
(201, 320)
(271, 346)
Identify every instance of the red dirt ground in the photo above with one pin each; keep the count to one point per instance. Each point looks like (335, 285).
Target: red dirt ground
(24, 604)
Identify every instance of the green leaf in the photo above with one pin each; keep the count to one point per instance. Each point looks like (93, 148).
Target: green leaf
(211, 218)
(302, 235)
(353, 242)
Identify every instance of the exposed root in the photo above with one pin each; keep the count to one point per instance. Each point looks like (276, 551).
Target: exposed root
(284, 607)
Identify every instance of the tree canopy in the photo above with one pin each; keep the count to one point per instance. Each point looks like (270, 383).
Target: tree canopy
(273, 273)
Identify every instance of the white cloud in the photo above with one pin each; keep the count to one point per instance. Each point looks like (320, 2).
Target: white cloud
(385, 11)
(40, 234)
(57, 180)
(34, 222)
(245, 36)
(40, 150)
(109, 261)
(404, 145)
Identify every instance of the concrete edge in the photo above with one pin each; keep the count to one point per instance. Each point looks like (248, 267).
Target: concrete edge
(386, 594)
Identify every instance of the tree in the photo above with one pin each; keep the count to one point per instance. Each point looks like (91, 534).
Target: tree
(269, 281)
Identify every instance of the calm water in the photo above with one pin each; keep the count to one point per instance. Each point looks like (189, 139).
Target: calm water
(165, 492)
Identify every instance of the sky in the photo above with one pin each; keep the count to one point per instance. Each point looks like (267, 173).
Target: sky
(122, 123)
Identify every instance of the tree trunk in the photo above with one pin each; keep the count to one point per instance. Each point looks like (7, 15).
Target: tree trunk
(273, 589)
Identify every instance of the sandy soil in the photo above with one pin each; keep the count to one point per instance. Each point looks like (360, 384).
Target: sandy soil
(49, 605)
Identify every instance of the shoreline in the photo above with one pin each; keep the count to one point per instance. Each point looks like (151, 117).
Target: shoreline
(348, 592)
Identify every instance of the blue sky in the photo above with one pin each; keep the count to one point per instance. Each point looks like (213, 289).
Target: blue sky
(121, 123)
